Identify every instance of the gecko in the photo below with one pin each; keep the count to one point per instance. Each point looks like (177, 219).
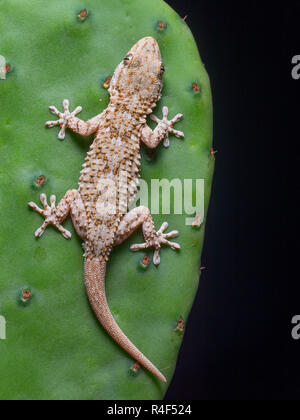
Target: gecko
(109, 178)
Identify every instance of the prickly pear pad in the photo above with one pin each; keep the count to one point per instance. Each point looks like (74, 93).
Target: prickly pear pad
(55, 347)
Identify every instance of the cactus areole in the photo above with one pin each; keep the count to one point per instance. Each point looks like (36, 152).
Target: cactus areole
(136, 175)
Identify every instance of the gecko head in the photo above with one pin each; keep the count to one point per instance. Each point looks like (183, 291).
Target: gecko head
(140, 72)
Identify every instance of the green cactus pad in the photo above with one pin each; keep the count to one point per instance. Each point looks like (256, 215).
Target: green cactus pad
(54, 347)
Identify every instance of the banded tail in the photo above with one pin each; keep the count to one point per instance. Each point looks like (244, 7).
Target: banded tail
(94, 272)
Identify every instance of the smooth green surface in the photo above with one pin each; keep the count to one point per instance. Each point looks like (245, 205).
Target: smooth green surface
(55, 348)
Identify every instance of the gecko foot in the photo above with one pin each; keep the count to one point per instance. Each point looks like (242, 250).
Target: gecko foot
(160, 238)
(169, 125)
(49, 212)
(63, 118)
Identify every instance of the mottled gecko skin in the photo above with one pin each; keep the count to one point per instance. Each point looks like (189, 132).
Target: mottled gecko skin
(109, 177)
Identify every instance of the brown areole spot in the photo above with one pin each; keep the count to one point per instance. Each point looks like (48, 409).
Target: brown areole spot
(40, 180)
(180, 326)
(7, 68)
(196, 87)
(82, 15)
(146, 261)
(26, 295)
(212, 151)
(107, 82)
(161, 25)
(135, 367)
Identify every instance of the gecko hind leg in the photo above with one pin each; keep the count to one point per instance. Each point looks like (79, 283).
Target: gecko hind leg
(72, 204)
(154, 239)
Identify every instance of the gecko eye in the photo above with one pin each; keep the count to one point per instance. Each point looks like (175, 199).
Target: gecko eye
(127, 59)
(162, 69)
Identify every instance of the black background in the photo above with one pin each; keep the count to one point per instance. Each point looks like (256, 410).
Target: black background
(238, 342)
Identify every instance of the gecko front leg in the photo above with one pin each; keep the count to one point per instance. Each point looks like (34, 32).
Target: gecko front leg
(69, 120)
(140, 216)
(161, 132)
(70, 203)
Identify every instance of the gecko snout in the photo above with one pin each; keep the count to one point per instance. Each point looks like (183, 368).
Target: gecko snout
(147, 47)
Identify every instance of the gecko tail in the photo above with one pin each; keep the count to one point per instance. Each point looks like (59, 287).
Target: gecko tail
(94, 271)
